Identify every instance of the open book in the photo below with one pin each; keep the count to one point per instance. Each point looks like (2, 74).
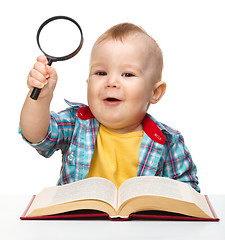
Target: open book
(136, 197)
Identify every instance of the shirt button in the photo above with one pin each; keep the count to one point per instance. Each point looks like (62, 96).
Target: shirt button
(70, 157)
(157, 136)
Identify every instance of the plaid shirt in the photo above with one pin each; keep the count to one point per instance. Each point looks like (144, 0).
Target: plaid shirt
(74, 132)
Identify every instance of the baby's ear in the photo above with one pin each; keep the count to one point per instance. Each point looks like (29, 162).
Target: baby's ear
(158, 91)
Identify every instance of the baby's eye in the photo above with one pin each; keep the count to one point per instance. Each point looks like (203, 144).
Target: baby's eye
(101, 73)
(128, 75)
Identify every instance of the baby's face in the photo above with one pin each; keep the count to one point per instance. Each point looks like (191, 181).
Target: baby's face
(120, 84)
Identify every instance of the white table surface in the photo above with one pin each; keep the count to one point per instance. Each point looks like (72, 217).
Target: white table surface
(11, 227)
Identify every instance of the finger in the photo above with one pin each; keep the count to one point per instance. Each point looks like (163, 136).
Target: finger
(42, 59)
(32, 83)
(51, 72)
(40, 67)
(37, 75)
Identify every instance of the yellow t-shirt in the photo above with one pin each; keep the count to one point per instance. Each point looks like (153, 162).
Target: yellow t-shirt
(116, 155)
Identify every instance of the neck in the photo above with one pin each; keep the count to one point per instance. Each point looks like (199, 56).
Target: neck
(133, 128)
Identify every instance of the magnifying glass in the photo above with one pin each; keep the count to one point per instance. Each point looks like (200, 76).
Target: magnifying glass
(59, 38)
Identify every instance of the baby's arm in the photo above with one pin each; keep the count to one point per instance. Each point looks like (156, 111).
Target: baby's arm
(35, 114)
(179, 164)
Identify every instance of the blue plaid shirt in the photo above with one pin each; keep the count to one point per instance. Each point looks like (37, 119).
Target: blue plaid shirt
(74, 132)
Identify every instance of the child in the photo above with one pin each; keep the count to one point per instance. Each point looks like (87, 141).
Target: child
(113, 137)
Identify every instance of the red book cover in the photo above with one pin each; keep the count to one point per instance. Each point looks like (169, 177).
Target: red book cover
(98, 215)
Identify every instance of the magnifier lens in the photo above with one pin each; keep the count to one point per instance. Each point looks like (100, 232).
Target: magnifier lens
(59, 38)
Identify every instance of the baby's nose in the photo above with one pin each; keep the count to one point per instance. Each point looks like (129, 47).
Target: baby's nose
(112, 82)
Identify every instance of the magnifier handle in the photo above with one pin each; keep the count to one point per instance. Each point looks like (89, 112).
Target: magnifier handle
(36, 91)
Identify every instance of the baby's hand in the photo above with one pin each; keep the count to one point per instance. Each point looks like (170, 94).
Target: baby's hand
(42, 76)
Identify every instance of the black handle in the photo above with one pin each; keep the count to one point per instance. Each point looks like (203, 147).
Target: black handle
(36, 91)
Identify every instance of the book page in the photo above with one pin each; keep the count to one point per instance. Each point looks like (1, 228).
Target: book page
(146, 185)
(43, 199)
(90, 188)
(161, 186)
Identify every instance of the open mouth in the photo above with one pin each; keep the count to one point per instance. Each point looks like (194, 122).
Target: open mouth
(112, 99)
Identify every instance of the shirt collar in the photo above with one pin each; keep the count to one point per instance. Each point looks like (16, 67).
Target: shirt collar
(171, 135)
(157, 131)
(152, 130)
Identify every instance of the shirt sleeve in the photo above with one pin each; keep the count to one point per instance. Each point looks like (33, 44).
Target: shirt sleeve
(59, 134)
(179, 164)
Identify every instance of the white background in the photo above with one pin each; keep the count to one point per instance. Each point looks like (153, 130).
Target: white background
(191, 35)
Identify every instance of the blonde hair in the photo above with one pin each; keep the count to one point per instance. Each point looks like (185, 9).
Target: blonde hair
(121, 31)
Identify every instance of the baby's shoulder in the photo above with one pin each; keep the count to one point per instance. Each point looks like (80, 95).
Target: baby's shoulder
(74, 106)
(172, 135)
(68, 114)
